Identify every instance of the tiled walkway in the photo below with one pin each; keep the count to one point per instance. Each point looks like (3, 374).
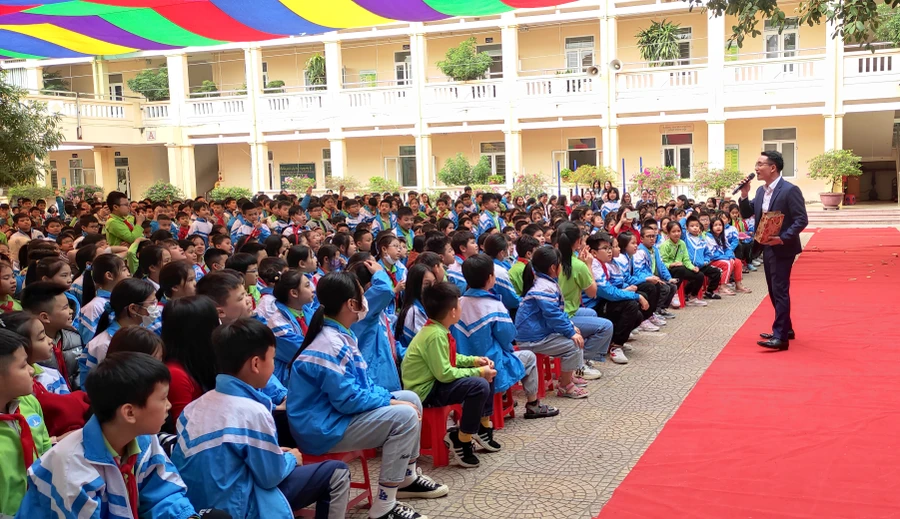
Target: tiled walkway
(568, 466)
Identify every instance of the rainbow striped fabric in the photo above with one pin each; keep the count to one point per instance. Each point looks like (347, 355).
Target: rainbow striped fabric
(77, 28)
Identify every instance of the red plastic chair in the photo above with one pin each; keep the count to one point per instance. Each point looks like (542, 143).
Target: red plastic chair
(434, 427)
(681, 298)
(346, 457)
(501, 412)
(549, 369)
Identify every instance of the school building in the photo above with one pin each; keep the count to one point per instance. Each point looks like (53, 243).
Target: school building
(567, 87)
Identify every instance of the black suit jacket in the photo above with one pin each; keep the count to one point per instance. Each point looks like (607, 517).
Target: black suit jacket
(788, 199)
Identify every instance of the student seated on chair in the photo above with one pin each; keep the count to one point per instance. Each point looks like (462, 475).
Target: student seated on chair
(227, 450)
(336, 407)
(434, 371)
(115, 465)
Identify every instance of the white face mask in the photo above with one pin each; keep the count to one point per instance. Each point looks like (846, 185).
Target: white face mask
(389, 261)
(153, 314)
(361, 314)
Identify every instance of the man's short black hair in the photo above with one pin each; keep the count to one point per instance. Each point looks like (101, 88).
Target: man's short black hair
(114, 197)
(404, 211)
(37, 296)
(239, 341)
(212, 255)
(487, 197)
(460, 241)
(248, 206)
(124, 377)
(775, 158)
(525, 244)
(437, 244)
(440, 298)
(478, 270)
(494, 244)
(241, 262)
(218, 285)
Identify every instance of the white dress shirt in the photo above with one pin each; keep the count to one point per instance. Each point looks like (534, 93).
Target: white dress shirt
(768, 191)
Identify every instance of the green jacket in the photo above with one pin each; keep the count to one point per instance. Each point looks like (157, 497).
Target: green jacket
(671, 253)
(428, 360)
(118, 233)
(13, 477)
(515, 275)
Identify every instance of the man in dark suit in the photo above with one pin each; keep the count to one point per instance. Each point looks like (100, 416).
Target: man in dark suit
(780, 251)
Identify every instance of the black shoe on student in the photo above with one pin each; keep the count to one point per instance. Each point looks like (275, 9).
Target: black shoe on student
(711, 295)
(423, 487)
(665, 314)
(485, 439)
(403, 511)
(462, 453)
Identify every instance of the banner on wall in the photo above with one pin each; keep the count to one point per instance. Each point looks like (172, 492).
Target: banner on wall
(732, 157)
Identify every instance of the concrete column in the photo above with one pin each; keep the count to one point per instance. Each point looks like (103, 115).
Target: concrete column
(34, 78)
(104, 168)
(611, 148)
(715, 65)
(424, 174)
(338, 157)
(834, 81)
(607, 91)
(513, 141)
(334, 70)
(182, 172)
(100, 73)
(259, 167)
(177, 65)
(509, 36)
(716, 140)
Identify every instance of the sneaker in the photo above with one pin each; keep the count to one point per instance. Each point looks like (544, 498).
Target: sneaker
(667, 315)
(756, 262)
(695, 302)
(626, 347)
(633, 335)
(618, 356)
(588, 373)
(676, 302)
(572, 391)
(593, 363)
(657, 320)
(485, 439)
(403, 511)
(424, 487)
(647, 326)
(712, 295)
(752, 267)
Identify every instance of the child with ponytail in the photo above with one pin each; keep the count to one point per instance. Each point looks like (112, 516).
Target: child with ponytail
(286, 316)
(105, 272)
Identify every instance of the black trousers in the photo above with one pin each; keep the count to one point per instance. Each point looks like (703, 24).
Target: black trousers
(744, 252)
(693, 281)
(667, 293)
(474, 393)
(778, 279)
(714, 276)
(651, 294)
(625, 316)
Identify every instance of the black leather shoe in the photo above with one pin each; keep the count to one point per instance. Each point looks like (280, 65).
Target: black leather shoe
(775, 344)
(770, 336)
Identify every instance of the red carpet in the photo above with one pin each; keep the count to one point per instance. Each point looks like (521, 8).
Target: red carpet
(813, 432)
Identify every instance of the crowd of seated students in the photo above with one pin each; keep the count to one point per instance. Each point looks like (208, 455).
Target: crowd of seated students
(173, 360)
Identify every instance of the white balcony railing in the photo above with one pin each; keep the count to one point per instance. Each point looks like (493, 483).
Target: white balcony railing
(216, 107)
(667, 79)
(556, 86)
(774, 71)
(94, 109)
(377, 97)
(482, 91)
(861, 66)
(293, 103)
(158, 111)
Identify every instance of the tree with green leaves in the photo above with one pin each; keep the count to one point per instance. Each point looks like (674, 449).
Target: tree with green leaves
(658, 43)
(855, 21)
(152, 84)
(27, 135)
(464, 62)
(54, 82)
(316, 76)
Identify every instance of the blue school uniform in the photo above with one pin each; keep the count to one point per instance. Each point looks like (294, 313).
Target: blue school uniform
(232, 429)
(90, 315)
(241, 228)
(201, 227)
(379, 224)
(486, 330)
(698, 249)
(79, 478)
(543, 312)
(288, 333)
(415, 320)
(645, 261)
(399, 271)
(376, 339)
(455, 275)
(488, 221)
(606, 290)
(609, 207)
(503, 286)
(331, 386)
(75, 305)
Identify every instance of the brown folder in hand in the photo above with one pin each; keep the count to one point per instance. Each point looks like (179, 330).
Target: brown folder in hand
(769, 226)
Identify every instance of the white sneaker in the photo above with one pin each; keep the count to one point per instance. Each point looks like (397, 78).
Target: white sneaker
(647, 326)
(633, 335)
(592, 363)
(695, 302)
(756, 262)
(588, 373)
(627, 347)
(616, 355)
(676, 302)
(657, 320)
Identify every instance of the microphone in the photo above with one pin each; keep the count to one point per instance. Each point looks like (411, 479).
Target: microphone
(743, 183)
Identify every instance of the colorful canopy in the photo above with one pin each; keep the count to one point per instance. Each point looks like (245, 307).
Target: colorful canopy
(77, 28)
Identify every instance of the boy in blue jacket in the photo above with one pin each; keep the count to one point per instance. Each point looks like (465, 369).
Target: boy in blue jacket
(648, 264)
(698, 250)
(114, 467)
(227, 448)
(248, 223)
(496, 246)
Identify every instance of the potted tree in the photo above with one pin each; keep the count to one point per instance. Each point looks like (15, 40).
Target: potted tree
(658, 44)
(315, 73)
(465, 63)
(833, 166)
(714, 181)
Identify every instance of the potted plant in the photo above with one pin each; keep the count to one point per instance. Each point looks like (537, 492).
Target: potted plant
(206, 89)
(494, 180)
(315, 72)
(276, 86)
(299, 185)
(83, 192)
(528, 185)
(32, 191)
(54, 83)
(464, 62)
(383, 185)
(151, 83)
(221, 193)
(659, 179)
(714, 181)
(350, 184)
(658, 44)
(161, 191)
(833, 166)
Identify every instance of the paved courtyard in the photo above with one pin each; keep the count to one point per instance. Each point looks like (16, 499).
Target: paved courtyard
(569, 466)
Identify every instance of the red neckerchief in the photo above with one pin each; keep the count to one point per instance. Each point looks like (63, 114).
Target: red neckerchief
(61, 359)
(523, 260)
(452, 344)
(130, 226)
(7, 306)
(127, 471)
(29, 450)
(302, 323)
(394, 282)
(605, 270)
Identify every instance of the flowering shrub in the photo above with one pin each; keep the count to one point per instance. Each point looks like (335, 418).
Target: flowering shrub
(529, 184)
(161, 191)
(714, 181)
(587, 175)
(383, 185)
(33, 192)
(299, 185)
(351, 185)
(496, 180)
(659, 179)
(83, 192)
(221, 193)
